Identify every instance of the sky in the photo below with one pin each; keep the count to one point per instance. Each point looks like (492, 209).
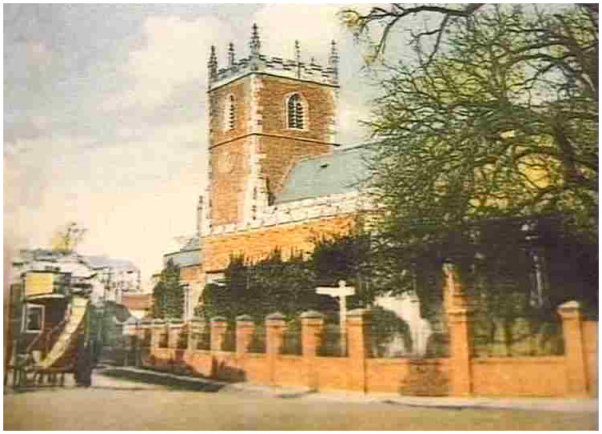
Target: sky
(105, 114)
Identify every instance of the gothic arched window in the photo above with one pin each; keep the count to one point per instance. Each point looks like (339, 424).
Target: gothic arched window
(230, 115)
(295, 112)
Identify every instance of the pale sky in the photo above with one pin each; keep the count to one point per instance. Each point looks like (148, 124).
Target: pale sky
(105, 119)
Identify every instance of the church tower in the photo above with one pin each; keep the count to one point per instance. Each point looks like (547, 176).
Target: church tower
(264, 114)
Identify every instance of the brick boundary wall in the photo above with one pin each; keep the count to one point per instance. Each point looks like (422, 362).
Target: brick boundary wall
(572, 375)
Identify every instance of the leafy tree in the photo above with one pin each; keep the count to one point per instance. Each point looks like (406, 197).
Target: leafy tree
(494, 117)
(345, 257)
(289, 287)
(259, 289)
(168, 293)
(386, 325)
(66, 238)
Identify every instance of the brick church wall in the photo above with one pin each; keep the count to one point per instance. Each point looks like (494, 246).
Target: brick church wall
(191, 274)
(260, 114)
(229, 167)
(257, 244)
(283, 146)
(229, 161)
(272, 104)
(240, 89)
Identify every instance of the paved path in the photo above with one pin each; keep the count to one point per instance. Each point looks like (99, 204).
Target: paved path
(130, 399)
(113, 380)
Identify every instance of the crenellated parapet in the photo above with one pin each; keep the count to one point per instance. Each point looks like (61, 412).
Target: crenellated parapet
(260, 63)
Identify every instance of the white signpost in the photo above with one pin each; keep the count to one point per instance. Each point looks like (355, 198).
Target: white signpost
(340, 292)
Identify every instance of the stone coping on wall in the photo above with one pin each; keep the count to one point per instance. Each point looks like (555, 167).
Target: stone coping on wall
(407, 360)
(276, 316)
(519, 359)
(298, 211)
(312, 314)
(289, 356)
(254, 355)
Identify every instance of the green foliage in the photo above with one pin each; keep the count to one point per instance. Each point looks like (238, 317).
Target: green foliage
(289, 287)
(68, 237)
(487, 128)
(344, 257)
(168, 294)
(385, 326)
(493, 120)
(259, 289)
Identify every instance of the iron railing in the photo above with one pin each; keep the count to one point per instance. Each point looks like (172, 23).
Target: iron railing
(258, 341)
(517, 337)
(333, 343)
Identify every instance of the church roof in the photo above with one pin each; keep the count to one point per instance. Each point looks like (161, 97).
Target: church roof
(189, 254)
(344, 171)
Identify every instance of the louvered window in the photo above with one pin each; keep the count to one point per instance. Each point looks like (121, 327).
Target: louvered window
(295, 112)
(230, 113)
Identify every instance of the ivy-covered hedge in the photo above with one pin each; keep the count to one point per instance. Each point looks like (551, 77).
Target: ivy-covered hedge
(168, 293)
(273, 284)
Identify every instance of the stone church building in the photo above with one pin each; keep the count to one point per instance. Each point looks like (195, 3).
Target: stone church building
(277, 179)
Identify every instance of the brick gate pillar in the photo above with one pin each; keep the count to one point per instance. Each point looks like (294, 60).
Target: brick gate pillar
(219, 325)
(157, 329)
(194, 329)
(245, 327)
(274, 330)
(146, 341)
(139, 344)
(174, 328)
(130, 338)
(459, 320)
(576, 379)
(274, 326)
(312, 323)
(359, 327)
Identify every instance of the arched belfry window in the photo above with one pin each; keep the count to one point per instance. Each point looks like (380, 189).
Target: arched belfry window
(230, 115)
(295, 112)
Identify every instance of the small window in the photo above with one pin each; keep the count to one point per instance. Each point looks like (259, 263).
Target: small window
(295, 112)
(34, 318)
(230, 115)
